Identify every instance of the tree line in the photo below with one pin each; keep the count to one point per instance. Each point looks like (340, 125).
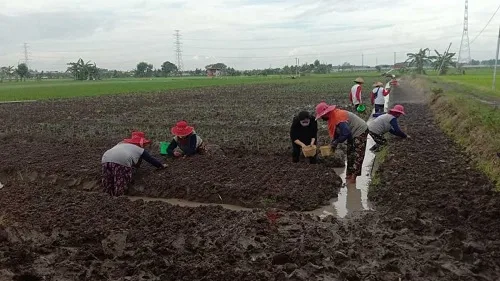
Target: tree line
(10, 72)
(87, 70)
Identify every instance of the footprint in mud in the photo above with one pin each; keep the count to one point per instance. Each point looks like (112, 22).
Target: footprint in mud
(115, 244)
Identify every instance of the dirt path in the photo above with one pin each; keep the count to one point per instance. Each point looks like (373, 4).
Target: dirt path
(433, 187)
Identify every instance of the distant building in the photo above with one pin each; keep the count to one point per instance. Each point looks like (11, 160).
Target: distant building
(399, 65)
(214, 72)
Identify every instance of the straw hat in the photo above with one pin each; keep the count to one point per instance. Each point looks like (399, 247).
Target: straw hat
(359, 80)
(137, 138)
(323, 108)
(398, 109)
(182, 129)
(378, 84)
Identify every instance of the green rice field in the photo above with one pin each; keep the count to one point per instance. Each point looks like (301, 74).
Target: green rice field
(51, 89)
(480, 79)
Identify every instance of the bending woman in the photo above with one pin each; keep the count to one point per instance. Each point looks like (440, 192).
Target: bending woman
(346, 126)
(117, 163)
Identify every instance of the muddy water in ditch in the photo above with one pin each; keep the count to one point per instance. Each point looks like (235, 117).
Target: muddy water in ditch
(351, 198)
(185, 203)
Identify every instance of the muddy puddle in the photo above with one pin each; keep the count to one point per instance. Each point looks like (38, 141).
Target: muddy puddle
(186, 203)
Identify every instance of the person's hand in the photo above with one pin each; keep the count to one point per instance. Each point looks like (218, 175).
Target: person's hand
(177, 154)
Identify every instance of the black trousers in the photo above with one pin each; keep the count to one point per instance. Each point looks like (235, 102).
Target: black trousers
(379, 139)
(379, 108)
(296, 150)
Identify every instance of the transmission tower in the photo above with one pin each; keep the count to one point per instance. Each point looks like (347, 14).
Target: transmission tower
(464, 52)
(178, 51)
(26, 54)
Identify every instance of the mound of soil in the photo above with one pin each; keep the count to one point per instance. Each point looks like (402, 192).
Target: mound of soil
(249, 181)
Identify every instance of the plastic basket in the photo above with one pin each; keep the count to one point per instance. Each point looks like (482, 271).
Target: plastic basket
(326, 151)
(309, 151)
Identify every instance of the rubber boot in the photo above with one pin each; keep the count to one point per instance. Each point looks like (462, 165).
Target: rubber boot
(375, 148)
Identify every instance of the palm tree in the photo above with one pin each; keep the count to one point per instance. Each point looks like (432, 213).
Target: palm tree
(419, 60)
(7, 71)
(74, 69)
(83, 70)
(442, 62)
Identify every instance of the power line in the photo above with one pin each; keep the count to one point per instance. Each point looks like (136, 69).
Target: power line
(488, 23)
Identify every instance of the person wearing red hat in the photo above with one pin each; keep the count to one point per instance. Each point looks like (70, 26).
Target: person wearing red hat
(346, 126)
(119, 161)
(386, 123)
(186, 139)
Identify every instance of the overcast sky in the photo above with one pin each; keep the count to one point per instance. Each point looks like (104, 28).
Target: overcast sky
(117, 34)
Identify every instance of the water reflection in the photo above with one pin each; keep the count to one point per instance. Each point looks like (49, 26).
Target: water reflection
(353, 197)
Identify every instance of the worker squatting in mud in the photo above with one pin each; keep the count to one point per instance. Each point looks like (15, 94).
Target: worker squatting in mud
(303, 133)
(185, 142)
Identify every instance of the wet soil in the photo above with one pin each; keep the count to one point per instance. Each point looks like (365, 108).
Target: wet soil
(432, 188)
(436, 218)
(247, 181)
(61, 142)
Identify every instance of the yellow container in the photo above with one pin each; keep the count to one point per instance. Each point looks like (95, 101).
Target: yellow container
(309, 151)
(326, 150)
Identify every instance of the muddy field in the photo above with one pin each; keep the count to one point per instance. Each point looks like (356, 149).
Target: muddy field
(61, 143)
(436, 218)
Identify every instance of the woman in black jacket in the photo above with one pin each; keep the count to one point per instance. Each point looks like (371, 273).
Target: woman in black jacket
(304, 132)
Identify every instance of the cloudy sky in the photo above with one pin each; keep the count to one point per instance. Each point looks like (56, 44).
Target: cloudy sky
(117, 34)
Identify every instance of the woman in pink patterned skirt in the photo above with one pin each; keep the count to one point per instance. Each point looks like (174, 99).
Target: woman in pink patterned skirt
(118, 161)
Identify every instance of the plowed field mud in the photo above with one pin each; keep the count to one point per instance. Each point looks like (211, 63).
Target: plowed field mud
(436, 218)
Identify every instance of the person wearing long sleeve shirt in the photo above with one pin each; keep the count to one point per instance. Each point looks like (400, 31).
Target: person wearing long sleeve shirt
(378, 97)
(355, 93)
(386, 123)
(119, 161)
(303, 133)
(186, 140)
(345, 126)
